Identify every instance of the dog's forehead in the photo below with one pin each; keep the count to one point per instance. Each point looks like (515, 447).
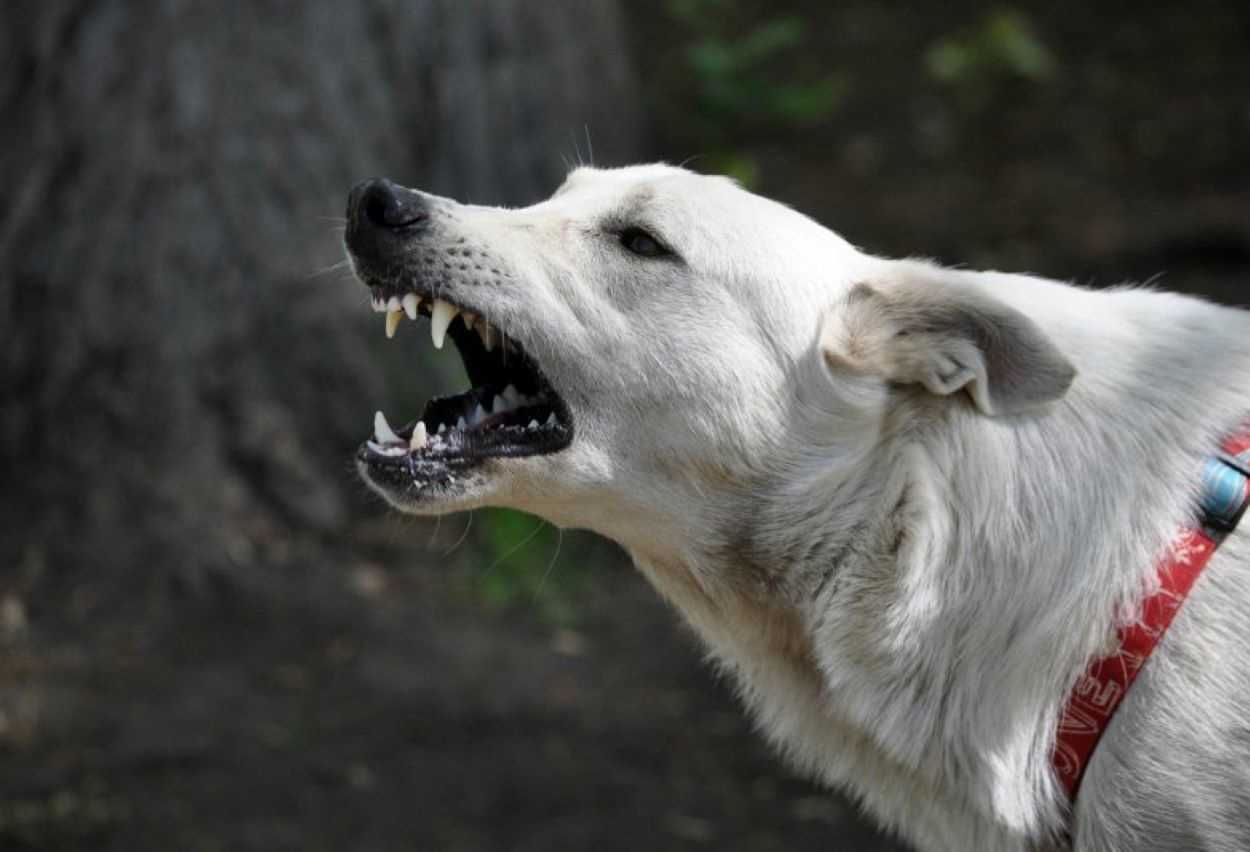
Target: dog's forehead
(597, 191)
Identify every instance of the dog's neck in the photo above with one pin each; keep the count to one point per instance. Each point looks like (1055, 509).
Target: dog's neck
(935, 599)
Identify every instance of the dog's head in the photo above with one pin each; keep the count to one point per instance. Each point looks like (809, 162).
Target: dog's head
(645, 340)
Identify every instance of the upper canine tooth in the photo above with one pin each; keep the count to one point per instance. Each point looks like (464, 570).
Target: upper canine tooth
(382, 430)
(410, 305)
(392, 322)
(441, 317)
(419, 438)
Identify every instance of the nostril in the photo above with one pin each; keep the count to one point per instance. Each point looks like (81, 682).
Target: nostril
(388, 205)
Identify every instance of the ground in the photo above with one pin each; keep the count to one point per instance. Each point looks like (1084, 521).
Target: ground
(400, 715)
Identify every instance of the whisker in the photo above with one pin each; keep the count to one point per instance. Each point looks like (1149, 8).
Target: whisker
(518, 546)
(550, 565)
(438, 525)
(334, 267)
(464, 535)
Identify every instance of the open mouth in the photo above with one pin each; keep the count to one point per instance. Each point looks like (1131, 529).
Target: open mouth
(510, 411)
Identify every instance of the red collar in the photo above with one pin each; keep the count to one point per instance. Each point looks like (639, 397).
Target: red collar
(1226, 494)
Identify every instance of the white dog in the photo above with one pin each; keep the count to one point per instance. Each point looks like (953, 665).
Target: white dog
(904, 505)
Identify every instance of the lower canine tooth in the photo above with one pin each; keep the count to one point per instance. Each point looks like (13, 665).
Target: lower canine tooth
(419, 438)
(392, 322)
(382, 430)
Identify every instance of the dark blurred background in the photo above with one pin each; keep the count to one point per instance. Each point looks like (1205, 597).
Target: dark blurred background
(211, 637)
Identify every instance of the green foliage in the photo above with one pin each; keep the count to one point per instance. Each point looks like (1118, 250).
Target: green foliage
(742, 73)
(735, 75)
(1003, 44)
(521, 563)
(740, 166)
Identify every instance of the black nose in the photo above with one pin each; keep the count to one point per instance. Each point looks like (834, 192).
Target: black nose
(379, 211)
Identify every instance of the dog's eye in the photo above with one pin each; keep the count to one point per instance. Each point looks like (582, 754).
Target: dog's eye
(641, 243)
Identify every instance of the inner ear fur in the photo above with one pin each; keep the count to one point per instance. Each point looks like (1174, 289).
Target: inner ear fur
(947, 337)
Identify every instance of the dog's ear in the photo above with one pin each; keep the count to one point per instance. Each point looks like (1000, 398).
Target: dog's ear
(947, 337)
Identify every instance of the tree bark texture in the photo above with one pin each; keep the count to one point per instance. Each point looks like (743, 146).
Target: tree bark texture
(180, 373)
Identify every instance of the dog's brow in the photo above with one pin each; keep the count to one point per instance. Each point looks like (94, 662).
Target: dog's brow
(632, 207)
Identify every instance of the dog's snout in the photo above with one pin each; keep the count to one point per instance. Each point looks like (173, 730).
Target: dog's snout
(386, 204)
(380, 210)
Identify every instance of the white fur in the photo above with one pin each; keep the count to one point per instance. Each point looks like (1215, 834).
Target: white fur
(904, 564)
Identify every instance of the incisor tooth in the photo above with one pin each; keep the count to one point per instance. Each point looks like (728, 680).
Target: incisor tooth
(410, 305)
(382, 430)
(392, 322)
(440, 318)
(419, 439)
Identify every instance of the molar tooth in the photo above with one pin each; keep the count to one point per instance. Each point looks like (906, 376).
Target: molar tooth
(533, 424)
(392, 322)
(469, 318)
(382, 430)
(419, 438)
(441, 317)
(460, 424)
(479, 414)
(511, 395)
(392, 304)
(442, 427)
(551, 419)
(410, 305)
(499, 405)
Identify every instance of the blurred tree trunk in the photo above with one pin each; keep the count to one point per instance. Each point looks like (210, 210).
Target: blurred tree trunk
(178, 381)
